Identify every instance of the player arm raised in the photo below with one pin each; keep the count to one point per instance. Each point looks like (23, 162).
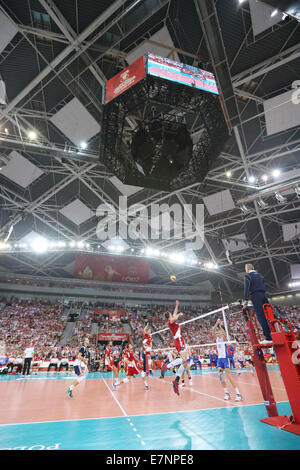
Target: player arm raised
(217, 324)
(176, 315)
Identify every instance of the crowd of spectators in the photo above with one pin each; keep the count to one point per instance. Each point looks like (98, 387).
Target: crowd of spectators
(41, 325)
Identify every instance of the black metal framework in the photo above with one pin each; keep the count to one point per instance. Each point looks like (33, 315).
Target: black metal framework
(172, 105)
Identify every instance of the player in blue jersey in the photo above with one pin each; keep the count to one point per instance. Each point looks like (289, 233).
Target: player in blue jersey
(81, 360)
(219, 335)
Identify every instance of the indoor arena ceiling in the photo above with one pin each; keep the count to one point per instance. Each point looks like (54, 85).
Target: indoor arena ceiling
(55, 58)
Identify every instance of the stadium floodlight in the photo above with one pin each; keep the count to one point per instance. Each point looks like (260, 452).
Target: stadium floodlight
(32, 135)
(152, 252)
(83, 145)
(116, 248)
(251, 179)
(228, 174)
(280, 198)
(294, 284)
(80, 244)
(39, 245)
(209, 265)
(264, 178)
(262, 203)
(176, 258)
(297, 191)
(276, 173)
(274, 12)
(244, 209)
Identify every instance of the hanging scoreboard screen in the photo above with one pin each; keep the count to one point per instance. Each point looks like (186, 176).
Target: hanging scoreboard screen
(181, 73)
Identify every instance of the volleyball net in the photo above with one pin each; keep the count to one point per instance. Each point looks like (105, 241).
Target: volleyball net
(198, 331)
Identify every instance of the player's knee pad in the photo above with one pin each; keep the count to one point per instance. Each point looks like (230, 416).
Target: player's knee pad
(143, 373)
(80, 379)
(221, 376)
(126, 380)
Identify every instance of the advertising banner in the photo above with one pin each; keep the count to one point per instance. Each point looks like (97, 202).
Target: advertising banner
(125, 79)
(107, 336)
(112, 268)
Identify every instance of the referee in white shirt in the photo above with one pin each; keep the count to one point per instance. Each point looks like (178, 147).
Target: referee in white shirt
(27, 359)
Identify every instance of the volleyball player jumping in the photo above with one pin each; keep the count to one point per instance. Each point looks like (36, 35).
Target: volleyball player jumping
(179, 345)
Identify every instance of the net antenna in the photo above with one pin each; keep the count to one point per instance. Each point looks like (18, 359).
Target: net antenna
(223, 314)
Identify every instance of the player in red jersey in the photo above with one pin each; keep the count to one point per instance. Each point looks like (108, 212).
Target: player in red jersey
(133, 367)
(147, 341)
(109, 362)
(37, 360)
(179, 345)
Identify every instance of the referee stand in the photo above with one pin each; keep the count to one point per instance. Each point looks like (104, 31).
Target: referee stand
(288, 354)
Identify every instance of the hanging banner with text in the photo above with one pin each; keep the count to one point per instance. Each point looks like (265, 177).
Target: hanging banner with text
(112, 268)
(114, 313)
(107, 336)
(125, 80)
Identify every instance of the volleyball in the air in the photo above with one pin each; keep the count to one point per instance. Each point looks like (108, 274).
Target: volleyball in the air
(173, 278)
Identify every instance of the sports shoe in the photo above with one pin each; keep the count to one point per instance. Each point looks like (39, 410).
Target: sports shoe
(227, 396)
(182, 385)
(115, 387)
(238, 397)
(175, 387)
(147, 387)
(163, 370)
(69, 392)
(238, 373)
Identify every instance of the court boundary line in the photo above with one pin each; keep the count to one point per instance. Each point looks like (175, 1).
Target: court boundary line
(116, 400)
(135, 416)
(125, 414)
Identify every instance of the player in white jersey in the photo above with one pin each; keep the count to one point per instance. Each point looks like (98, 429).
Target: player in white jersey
(82, 360)
(223, 365)
(172, 362)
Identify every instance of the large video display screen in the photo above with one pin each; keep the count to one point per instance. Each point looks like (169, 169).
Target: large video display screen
(181, 73)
